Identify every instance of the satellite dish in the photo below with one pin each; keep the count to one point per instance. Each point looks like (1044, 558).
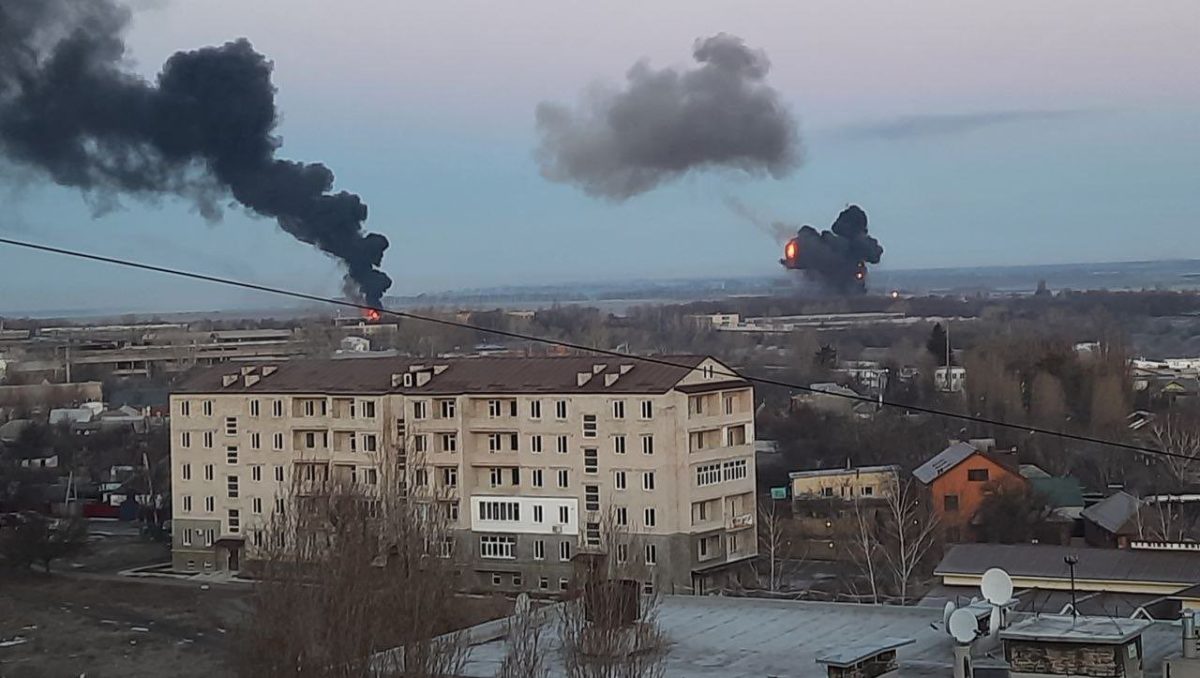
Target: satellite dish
(523, 605)
(997, 586)
(946, 615)
(994, 621)
(963, 626)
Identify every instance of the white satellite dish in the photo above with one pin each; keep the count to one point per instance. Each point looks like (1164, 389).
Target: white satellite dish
(963, 626)
(994, 621)
(946, 614)
(523, 605)
(997, 586)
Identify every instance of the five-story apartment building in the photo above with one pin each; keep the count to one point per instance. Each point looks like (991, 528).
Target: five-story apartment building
(533, 460)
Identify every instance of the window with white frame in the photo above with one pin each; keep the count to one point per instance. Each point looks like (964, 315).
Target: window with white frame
(619, 444)
(367, 409)
(591, 497)
(450, 476)
(231, 455)
(209, 472)
(208, 439)
(234, 520)
(535, 409)
(256, 505)
(535, 444)
(277, 442)
(185, 408)
(618, 409)
(420, 443)
(256, 473)
(538, 514)
(647, 444)
(647, 409)
(591, 461)
(564, 551)
(496, 476)
(447, 408)
(231, 426)
(561, 445)
(564, 515)
(622, 553)
(537, 477)
(648, 481)
(591, 533)
(420, 409)
(255, 407)
(449, 442)
(256, 441)
(622, 516)
(277, 408)
(278, 473)
(185, 439)
(210, 504)
(560, 409)
(650, 517)
(736, 469)
(187, 503)
(619, 480)
(708, 474)
(185, 471)
(564, 478)
(589, 426)
(500, 510)
(187, 537)
(539, 549)
(651, 554)
(209, 537)
(370, 443)
(207, 407)
(231, 484)
(494, 442)
(497, 547)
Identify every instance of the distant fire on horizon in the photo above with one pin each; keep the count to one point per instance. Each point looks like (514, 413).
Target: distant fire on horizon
(836, 258)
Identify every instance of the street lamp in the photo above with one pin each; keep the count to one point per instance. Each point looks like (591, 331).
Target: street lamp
(1071, 561)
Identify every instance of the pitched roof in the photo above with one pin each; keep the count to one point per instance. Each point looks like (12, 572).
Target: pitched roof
(943, 461)
(1046, 562)
(1059, 492)
(1114, 512)
(501, 375)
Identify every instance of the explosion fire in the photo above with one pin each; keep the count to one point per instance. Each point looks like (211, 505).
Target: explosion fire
(838, 257)
(370, 315)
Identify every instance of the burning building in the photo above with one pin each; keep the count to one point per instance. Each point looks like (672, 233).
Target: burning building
(836, 258)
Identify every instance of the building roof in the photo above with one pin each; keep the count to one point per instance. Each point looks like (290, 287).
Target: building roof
(1044, 561)
(944, 461)
(500, 375)
(1079, 630)
(1058, 492)
(1113, 512)
(892, 468)
(830, 388)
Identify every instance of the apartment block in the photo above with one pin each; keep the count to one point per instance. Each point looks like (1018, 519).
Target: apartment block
(534, 461)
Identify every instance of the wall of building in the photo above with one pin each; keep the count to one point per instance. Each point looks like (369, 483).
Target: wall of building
(844, 485)
(958, 483)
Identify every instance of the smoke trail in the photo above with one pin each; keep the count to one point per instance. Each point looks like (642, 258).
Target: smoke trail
(204, 129)
(666, 123)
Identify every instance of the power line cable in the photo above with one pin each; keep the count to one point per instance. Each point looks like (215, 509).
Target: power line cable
(576, 347)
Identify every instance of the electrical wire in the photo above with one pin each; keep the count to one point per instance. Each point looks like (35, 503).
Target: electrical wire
(578, 347)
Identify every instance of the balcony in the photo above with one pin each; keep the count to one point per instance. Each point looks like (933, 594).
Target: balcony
(739, 522)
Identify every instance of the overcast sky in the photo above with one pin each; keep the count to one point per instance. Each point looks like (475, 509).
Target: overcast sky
(972, 133)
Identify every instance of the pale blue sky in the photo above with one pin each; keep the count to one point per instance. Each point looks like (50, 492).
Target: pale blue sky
(972, 132)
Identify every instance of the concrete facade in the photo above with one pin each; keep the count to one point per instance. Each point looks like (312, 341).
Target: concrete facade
(532, 469)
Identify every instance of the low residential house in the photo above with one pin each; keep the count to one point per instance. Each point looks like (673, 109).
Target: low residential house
(826, 504)
(1112, 522)
(870, 375)
(45, 460)
(829, 397)
(958, 479)
(950, 379)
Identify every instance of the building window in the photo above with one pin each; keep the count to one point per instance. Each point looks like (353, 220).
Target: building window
(695, 405)
(450, 477)
(495, 477)
(539, 549)
(589, 426)
(619, 444)
(564, 551)
(561, 445)
(516, 477)
(279, 505)
(537, 514)
(187, 503)
(420, 409)
(517, 580)
(564, 478)
(543, 583)
(185, 408)
(560, 409)
(368, 409)
(650, 518)
(977, 475)
(702, 548)
(647, 409)
(231, 426)
(256, 473)
(231, 455)
(563, 583)
(187, 537)
(735, 470)
(278, 474)
(370, 443)
(592, 534)
(651, 554)
(210, 505)
(422, 477)
(564, 515)
(591, 497)
(619, 480)
(370, 476)
(209, 472)
(256, 441)
(447, 409)
(209, 537)
(537, 477)
(535, 444)
(186, 471)
(497, 546)
(500, 510)
(618, 409)
(494, 409)
(826, 491)
(208, 439)
(496, 579)
(622, 516)
(708, 474)
(185, 439)
(950, 503)
(868, 491)
(648, 481)
(647, 444)
(700, 512)
(449, 442)
(732, 541)
(535, 409)
(591, 461)
(277, 442)
(622, 553)
(494, 442)
(235, 521)
(231, 484)
(452, 511)
(207, 407)
(420, 443)
(730, 401)
(276, 408)
(256, 505)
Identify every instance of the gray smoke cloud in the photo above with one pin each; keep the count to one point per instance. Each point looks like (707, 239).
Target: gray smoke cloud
(71, 108)
(666, 123)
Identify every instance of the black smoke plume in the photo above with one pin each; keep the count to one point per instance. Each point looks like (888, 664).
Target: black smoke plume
(71, 108)
(836, 258)
(665, 123)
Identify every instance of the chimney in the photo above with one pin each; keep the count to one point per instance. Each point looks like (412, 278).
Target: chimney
(582, 378)
(1190, 640)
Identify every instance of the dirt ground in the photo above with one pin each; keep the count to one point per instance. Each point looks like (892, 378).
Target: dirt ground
(74, 626)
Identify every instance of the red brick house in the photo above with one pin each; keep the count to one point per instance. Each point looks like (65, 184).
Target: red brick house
(958, 478)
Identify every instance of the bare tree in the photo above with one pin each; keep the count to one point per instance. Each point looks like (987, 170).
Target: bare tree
(908, 531)
(351, 584)
(1178, 433)
(525, 650)
(774, 544)
(610, 628)
(865, 547)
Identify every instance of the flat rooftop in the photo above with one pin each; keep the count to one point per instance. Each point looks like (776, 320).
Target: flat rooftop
(1082, 630)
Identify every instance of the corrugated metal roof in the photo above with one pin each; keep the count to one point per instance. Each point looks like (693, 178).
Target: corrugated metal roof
(1113, 512)
(1045, 561)
(943, 461)
(500, 375)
